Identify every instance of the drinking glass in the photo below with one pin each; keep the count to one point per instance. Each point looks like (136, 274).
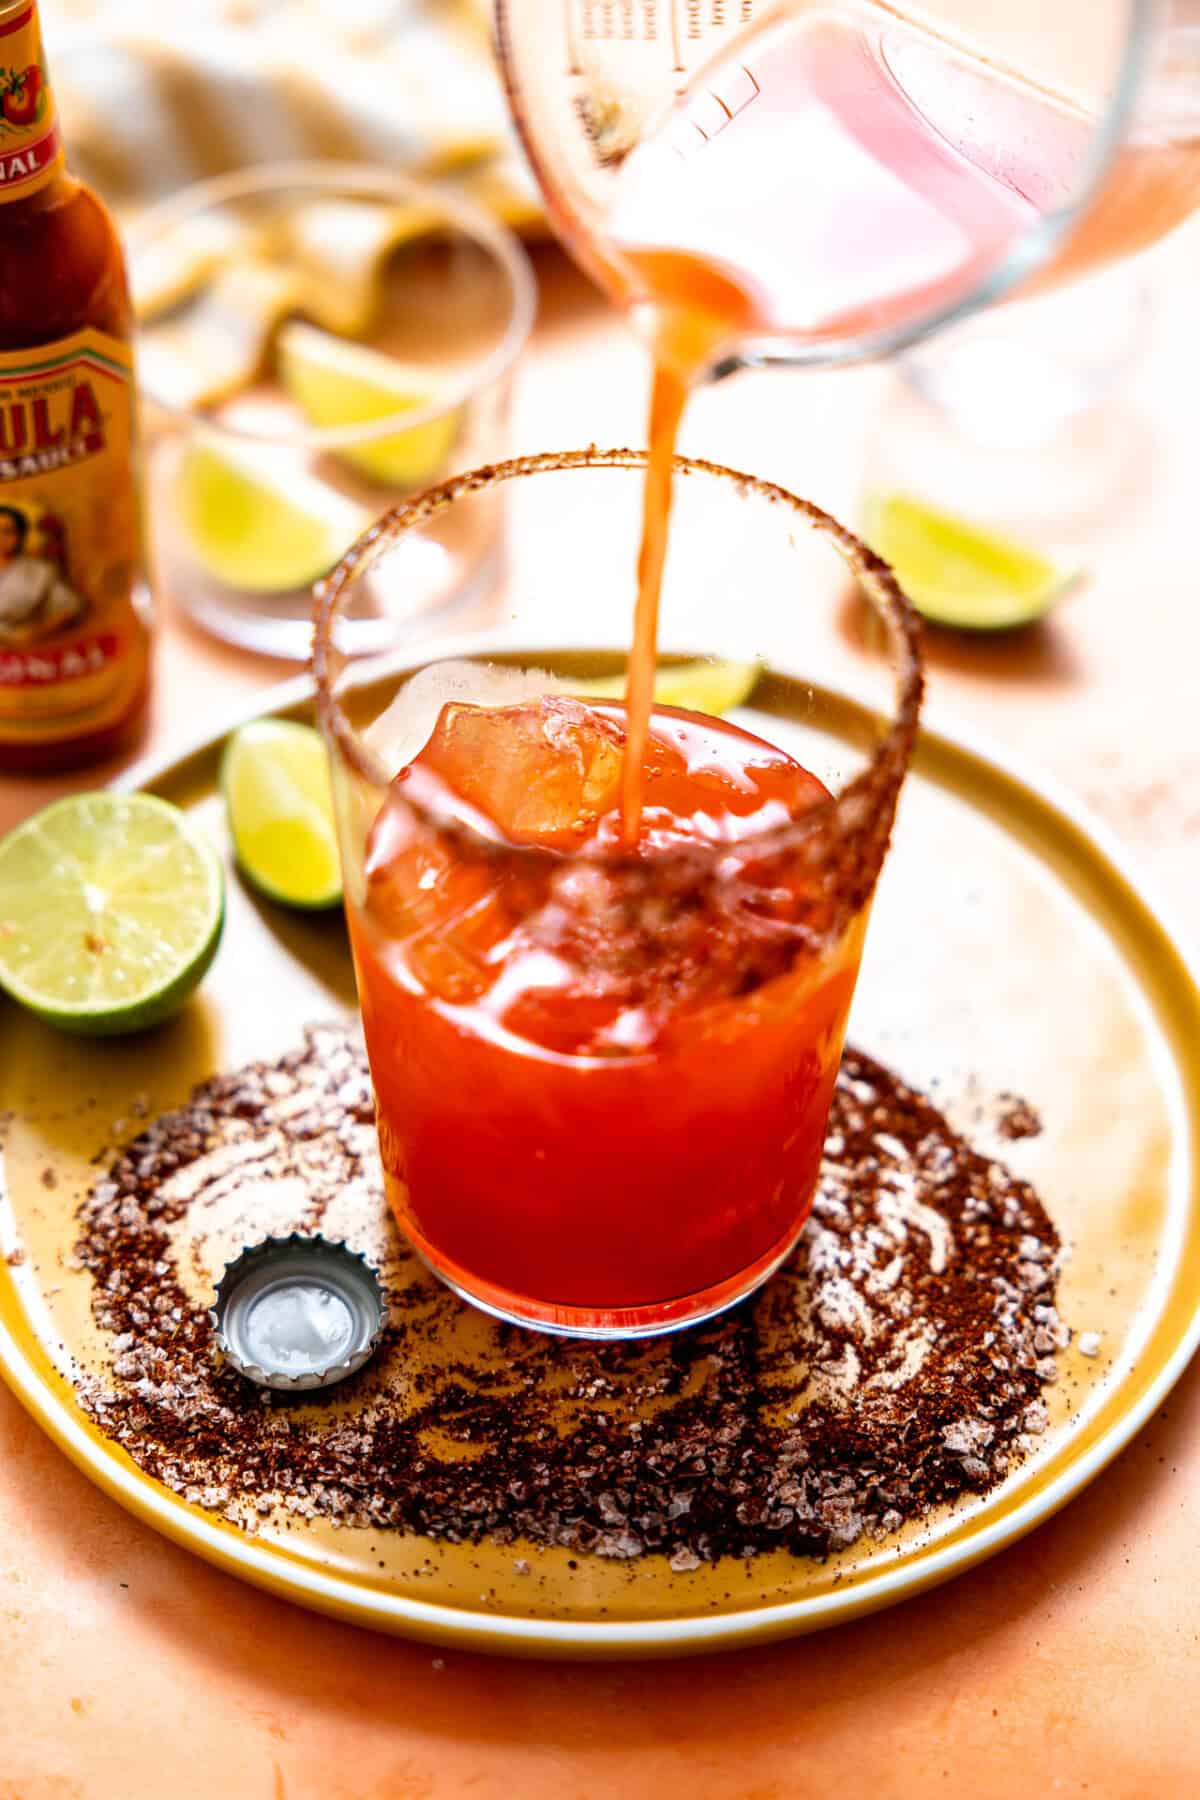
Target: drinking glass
(317, 339)
(828, 180)
(602, 1075)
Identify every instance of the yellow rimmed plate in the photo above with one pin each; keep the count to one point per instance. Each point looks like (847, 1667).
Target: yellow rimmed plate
(1010, 951)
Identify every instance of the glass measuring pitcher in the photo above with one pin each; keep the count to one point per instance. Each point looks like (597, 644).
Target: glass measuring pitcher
(818, 181)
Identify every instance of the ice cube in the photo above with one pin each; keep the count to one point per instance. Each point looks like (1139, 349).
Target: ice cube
(543, 771)
(406, 725)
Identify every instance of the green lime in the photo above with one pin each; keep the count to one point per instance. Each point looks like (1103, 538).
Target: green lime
(111, 908)
(275, 778)
(258, 523)
(706, 686)
(335, 382)
(956, 573)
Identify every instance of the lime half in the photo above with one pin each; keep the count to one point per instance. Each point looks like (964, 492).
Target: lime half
(275, 778)
(258, 522)
(335, 383)
(956, 573)
(111, 907)
(704, 687)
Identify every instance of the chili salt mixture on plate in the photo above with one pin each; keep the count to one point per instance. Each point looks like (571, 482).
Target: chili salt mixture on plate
(895, 1363)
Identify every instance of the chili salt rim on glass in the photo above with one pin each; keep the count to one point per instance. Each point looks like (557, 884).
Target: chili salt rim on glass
(843, 839)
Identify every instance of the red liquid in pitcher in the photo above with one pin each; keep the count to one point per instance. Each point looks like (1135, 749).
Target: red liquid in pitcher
(839, 174)
(851, 172)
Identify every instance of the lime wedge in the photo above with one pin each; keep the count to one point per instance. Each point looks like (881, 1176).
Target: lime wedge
(258, 521)
(704, 686)
(957, 574)
(111, 907)
(336, 383)
(275, 778)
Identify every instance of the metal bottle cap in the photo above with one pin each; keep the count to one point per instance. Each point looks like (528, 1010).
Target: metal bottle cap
(298, 1312)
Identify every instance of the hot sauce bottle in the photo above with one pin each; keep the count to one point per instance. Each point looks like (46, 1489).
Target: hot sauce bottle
(74, 618)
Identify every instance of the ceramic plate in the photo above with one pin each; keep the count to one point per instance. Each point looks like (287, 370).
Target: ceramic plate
(1009, 952)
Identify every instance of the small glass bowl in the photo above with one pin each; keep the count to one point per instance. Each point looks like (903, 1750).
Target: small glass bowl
(316, 341)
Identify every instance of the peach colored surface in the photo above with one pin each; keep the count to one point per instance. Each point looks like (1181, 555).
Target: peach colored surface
(131, 1671)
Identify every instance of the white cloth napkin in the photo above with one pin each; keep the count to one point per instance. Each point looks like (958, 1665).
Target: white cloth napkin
(158, 93)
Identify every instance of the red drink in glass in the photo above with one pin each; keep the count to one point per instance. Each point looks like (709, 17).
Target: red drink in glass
(602, 1079)
(604, 983)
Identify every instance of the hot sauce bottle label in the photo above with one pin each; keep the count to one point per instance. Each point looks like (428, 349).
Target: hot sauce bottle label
(31, 147)
(73, 641)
